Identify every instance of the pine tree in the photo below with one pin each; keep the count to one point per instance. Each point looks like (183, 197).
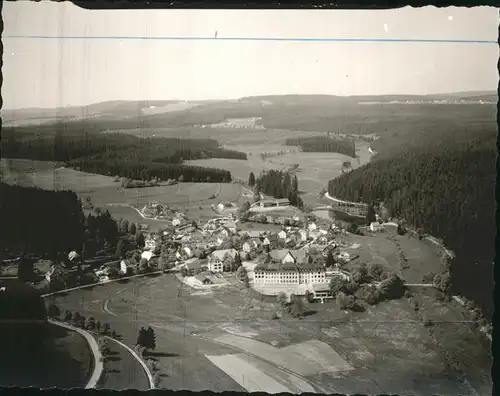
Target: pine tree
(142, 338)
(139, 238)
(150, 339)
(121, 249)
(251, 179)
(132, 228)
(330, 260)
(370, 215)
(295, 184)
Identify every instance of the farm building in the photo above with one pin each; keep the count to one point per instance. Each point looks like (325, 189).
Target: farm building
(195, 265)
(332, 272)
(319, 292)
(269, 203)
(200, 280)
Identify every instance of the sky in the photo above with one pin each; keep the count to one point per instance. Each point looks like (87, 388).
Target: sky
(52, 72)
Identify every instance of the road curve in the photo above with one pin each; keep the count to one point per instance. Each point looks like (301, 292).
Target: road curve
(94, 348)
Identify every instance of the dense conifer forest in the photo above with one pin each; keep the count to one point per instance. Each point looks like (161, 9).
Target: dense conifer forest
(119, 154)
(39, 221)
(280, 184)
(444, 183)
(322, 144)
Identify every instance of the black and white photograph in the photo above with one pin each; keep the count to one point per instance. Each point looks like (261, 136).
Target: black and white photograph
(297, 201)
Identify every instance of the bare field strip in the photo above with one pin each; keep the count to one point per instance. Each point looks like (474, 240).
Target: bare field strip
(296, 359)
(248, 376)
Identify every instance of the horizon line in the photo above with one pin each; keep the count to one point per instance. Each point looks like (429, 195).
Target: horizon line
(451, 93)
(214, 38)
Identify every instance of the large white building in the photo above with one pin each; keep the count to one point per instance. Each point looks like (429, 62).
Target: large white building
(289, 267)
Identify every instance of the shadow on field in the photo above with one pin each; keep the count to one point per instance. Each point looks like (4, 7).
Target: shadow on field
(112, 353)
(112, 359)
(309, 312)
(154, 275)
(160, 354)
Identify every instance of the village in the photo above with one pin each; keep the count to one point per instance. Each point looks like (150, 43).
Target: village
(272, 252)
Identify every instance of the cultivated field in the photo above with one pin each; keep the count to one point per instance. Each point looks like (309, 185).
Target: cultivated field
(225, 339)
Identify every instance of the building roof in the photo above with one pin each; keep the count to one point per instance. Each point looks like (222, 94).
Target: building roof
(282, 200)
(321, 287)
(202, 278)
(271, 267)
(278, 254)
(221, 253)
(253, 233)
(194, 263)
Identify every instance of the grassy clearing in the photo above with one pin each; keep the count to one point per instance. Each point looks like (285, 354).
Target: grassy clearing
(384, 248)
(64, 361)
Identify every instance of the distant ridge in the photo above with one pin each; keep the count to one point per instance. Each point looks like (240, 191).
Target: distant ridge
(124, 105)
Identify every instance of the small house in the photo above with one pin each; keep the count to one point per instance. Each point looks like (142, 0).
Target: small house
(344, 256)
(253, 233)
(216, 259)
(247, 247)
(195, 265)
(303, 235)
(202, 280)
(271, 239)
(282, 235)
(312, 226)
(150, 243)
(376, 227)
(188, 251)
(224, 233)
(148, 255)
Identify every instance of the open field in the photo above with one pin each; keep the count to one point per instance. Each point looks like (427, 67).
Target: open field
(202, 337)
(315, 169)
(384, 248)
(193, 198)
(63, 361)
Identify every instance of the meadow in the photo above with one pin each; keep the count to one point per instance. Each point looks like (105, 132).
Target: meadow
(386, 248)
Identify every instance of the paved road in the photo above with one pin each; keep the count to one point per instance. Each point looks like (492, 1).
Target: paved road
(121, 370)
(181, 357)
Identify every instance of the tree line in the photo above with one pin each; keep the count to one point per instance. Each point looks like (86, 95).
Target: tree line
(324, 144)
(119, 154)
(445, 187)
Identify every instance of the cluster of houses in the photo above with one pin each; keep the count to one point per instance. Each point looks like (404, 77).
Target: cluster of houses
(292, 256)
(154, 210)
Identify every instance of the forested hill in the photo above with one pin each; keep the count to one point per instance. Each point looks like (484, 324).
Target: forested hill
(323, 144)
(119, 154)
(443, 182)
